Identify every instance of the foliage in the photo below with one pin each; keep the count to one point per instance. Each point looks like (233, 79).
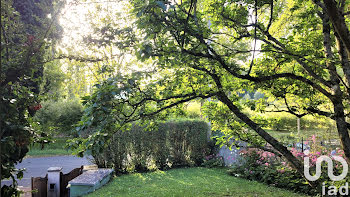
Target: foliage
(288, 122)
(86, 59)
(212, 161)
(52, 86)
(266, 167)
(229, 126)
(209, 50)
(33, 14)
(59, 117)
(23, 52)
(187, 182)
(301, 69)
(172, 144)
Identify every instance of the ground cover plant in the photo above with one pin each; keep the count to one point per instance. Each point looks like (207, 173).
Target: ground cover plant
(188, 182)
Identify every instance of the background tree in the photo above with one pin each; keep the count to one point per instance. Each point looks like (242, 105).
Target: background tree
(24, 44)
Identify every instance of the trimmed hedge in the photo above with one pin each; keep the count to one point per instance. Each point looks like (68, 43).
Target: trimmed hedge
(175, 143)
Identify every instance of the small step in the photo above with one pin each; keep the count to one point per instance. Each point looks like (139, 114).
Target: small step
(89, 181)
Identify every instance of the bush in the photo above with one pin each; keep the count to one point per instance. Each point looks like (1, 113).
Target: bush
(265, 167)
(213, 161)
(59, 117)
(173, 144)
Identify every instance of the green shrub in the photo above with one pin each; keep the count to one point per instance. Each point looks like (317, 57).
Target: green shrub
(187, 141)
(173, 144)
(160, 147)
(213, 161)
(270, 169)
(59, 117)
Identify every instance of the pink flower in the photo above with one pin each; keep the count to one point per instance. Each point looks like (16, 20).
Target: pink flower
(313, 160)
(264, 154)
(314, 138)
(266, 164)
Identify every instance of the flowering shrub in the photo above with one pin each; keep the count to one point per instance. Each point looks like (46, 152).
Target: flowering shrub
(268, 168)
(214, 160)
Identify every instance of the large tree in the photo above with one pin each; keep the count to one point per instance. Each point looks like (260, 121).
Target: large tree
(299, 55)
(25, 38)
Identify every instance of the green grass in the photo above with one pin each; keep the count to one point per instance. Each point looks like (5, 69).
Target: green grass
(188, 182)
(306, 134)
(52, 149)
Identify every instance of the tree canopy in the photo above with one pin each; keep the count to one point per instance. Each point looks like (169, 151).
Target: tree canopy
(295, 52)
(150, 59)
(26, 36)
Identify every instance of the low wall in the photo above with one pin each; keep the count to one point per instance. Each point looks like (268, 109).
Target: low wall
(232, 156)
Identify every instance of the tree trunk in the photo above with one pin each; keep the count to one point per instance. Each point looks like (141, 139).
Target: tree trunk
(342, 128)
(338, 21)
(298, 125)
(336, 90)
(297, 164)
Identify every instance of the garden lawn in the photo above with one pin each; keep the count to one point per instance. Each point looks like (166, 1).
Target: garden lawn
(187, 182)
(52, 149)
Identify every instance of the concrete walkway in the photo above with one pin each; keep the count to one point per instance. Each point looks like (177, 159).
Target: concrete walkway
(38, 166)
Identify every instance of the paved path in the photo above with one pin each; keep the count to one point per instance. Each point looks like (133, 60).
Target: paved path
(36, 167)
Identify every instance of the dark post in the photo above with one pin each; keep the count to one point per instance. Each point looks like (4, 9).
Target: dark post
(302, 144)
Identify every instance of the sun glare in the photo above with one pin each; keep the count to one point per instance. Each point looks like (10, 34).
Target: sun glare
(77, 18)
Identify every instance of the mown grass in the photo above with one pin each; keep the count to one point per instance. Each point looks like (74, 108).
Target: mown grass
(52, 149)
(305, 134)
(188, 182)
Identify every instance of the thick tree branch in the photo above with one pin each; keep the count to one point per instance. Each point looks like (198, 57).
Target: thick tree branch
(339, 23)
(184, 100)
(297, 58)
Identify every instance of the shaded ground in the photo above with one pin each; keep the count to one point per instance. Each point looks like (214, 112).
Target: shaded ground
(36, 167)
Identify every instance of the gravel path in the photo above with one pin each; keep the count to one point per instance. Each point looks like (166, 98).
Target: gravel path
(38, 166)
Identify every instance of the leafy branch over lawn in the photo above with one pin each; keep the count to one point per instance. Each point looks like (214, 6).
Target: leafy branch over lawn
(201, 49)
